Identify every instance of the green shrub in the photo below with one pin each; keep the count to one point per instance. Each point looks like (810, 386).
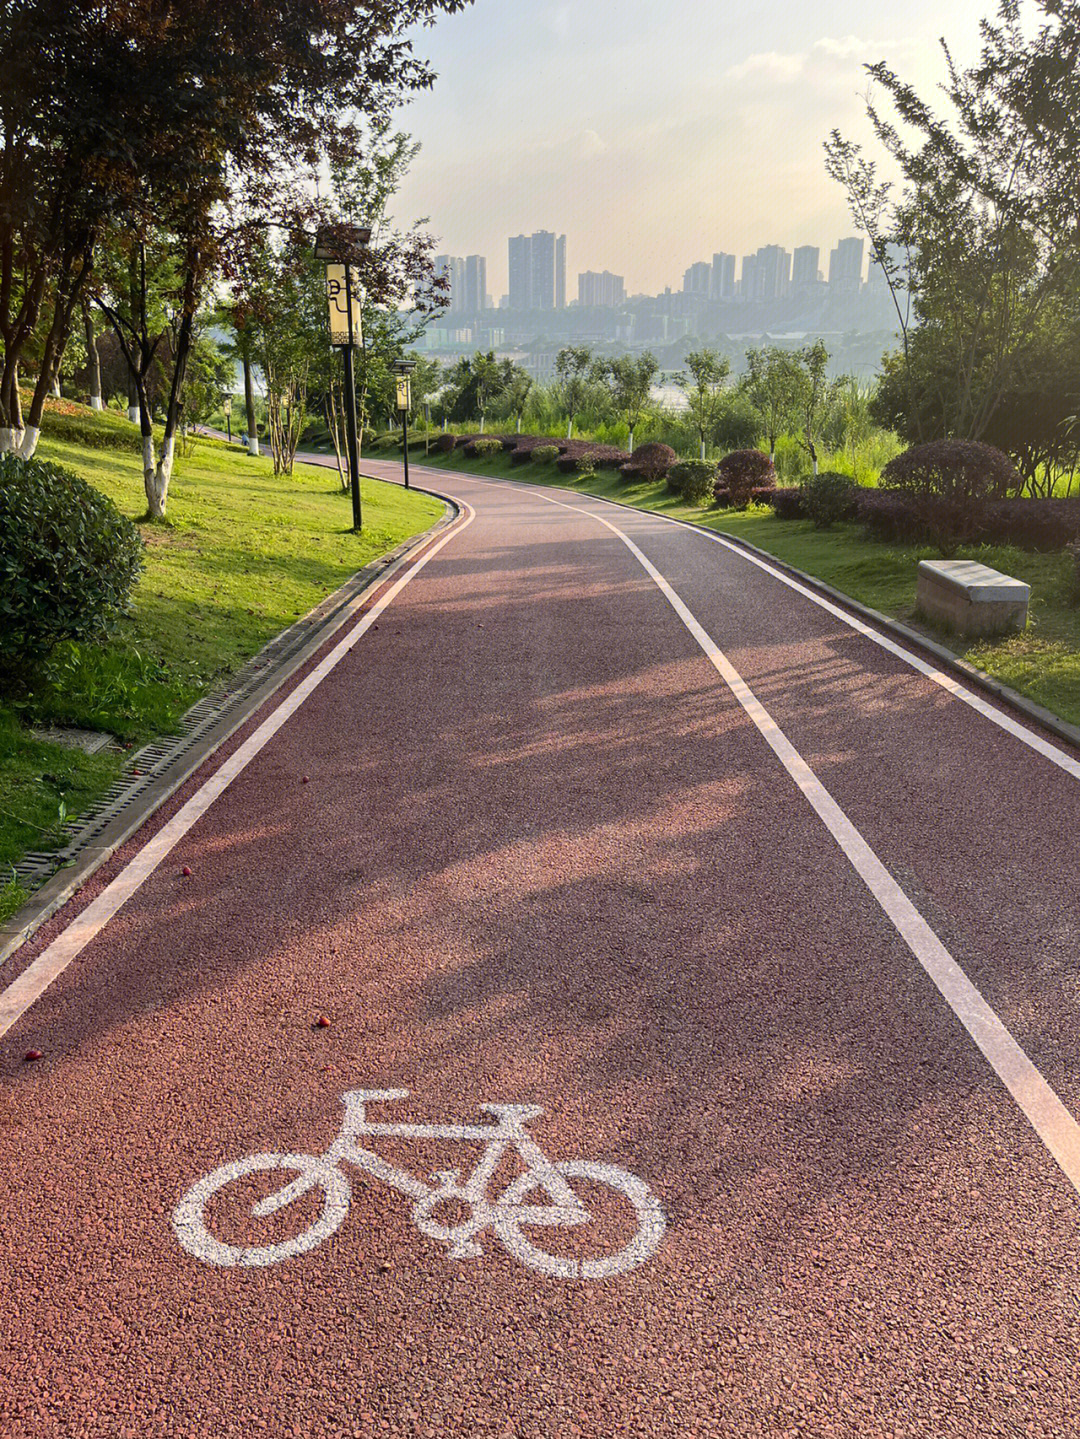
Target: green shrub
(652, 461)
(483, 448)
(741, 473)
(951, 483)
(545, 454)
(829, 497)
(98, 430)
(391, 440)
(694, 480)
(443, 444)
(68, 560)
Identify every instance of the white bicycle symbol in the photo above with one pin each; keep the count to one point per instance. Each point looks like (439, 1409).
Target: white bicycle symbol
(506, 1216)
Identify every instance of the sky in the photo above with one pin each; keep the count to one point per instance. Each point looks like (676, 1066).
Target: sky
(654, 135)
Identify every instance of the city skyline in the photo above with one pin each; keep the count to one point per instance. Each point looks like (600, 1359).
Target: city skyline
(643, 141)
(771, 272)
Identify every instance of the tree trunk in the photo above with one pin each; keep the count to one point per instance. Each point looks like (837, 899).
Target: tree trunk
(631, 439)
(249, 405)
(481, 422)
(75, 269)
(570, 429)
(93, 361)
(519, 424)
(703, 447)
(156, 479)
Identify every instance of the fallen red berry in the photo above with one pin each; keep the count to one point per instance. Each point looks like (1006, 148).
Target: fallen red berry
(304, 780)
(186, 871)
(323, 1022)
(32, 1054)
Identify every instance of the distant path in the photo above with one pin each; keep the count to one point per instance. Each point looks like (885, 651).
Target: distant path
(597, 816)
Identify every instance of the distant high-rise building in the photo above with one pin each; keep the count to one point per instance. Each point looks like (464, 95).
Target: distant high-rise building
(600, 289)
(722, 277)
(747, 279)
(475, 284)
(772, 273)
(453, 267)
(845, 265)
(805, 264)
(520, 285)
(697, 280)
(538, 271)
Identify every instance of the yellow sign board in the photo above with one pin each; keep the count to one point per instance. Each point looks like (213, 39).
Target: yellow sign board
(340, 289)
(404, 396)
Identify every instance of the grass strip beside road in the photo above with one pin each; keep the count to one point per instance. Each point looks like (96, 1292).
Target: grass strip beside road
(241, 556)
(1043, 663)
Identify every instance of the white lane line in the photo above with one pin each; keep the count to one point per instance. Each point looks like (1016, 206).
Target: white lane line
(17, 998)
(947, 682)
(1046, 1113)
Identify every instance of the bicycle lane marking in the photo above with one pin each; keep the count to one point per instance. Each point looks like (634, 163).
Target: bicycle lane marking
(504, 1216)
(1037, 1100)
(24, 991)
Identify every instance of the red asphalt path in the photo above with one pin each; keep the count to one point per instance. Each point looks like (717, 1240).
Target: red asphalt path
(523, 844)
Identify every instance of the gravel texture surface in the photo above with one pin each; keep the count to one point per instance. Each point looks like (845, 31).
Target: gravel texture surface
(524, 846)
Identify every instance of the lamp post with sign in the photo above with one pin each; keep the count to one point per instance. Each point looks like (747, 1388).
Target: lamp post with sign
(338, 248)
(402, 370)
(228, 416)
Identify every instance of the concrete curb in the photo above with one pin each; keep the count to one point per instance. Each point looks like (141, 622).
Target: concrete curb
(339, 608)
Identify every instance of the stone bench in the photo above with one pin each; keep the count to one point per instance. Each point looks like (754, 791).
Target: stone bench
(970, 598)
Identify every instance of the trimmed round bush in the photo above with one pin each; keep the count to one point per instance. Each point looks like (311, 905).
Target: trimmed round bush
(68, 560)
(694, 480)
(444, 443)
(483, 448)
(741, 473)
(544, 454)
(951, 484)
(652, 461)
(829, 497)
(787, 504)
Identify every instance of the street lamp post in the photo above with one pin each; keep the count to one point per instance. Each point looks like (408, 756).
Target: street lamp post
(228, 415)
(403, 368)
(338, 247)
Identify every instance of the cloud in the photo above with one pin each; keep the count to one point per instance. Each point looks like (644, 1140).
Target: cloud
(770, 64)
(590, 145)
(844, 49)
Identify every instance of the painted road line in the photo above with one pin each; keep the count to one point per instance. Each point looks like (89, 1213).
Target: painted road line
(17, 998)
(1045, 1111)
(947, 682)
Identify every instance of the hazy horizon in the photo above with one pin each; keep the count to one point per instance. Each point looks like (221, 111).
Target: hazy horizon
(591, 121)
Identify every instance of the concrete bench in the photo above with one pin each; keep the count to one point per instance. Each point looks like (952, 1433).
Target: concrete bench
(970, 598)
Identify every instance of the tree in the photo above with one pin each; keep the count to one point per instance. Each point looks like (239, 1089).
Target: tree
(812, 395)
(629, 383)
(155, 113)
(572, 366)
(987, 217)
(771, 384)
(516, 388)
(399, 287)
(705, 395)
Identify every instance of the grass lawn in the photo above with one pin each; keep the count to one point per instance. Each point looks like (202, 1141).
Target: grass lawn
(1042, 663)
(241, 555)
